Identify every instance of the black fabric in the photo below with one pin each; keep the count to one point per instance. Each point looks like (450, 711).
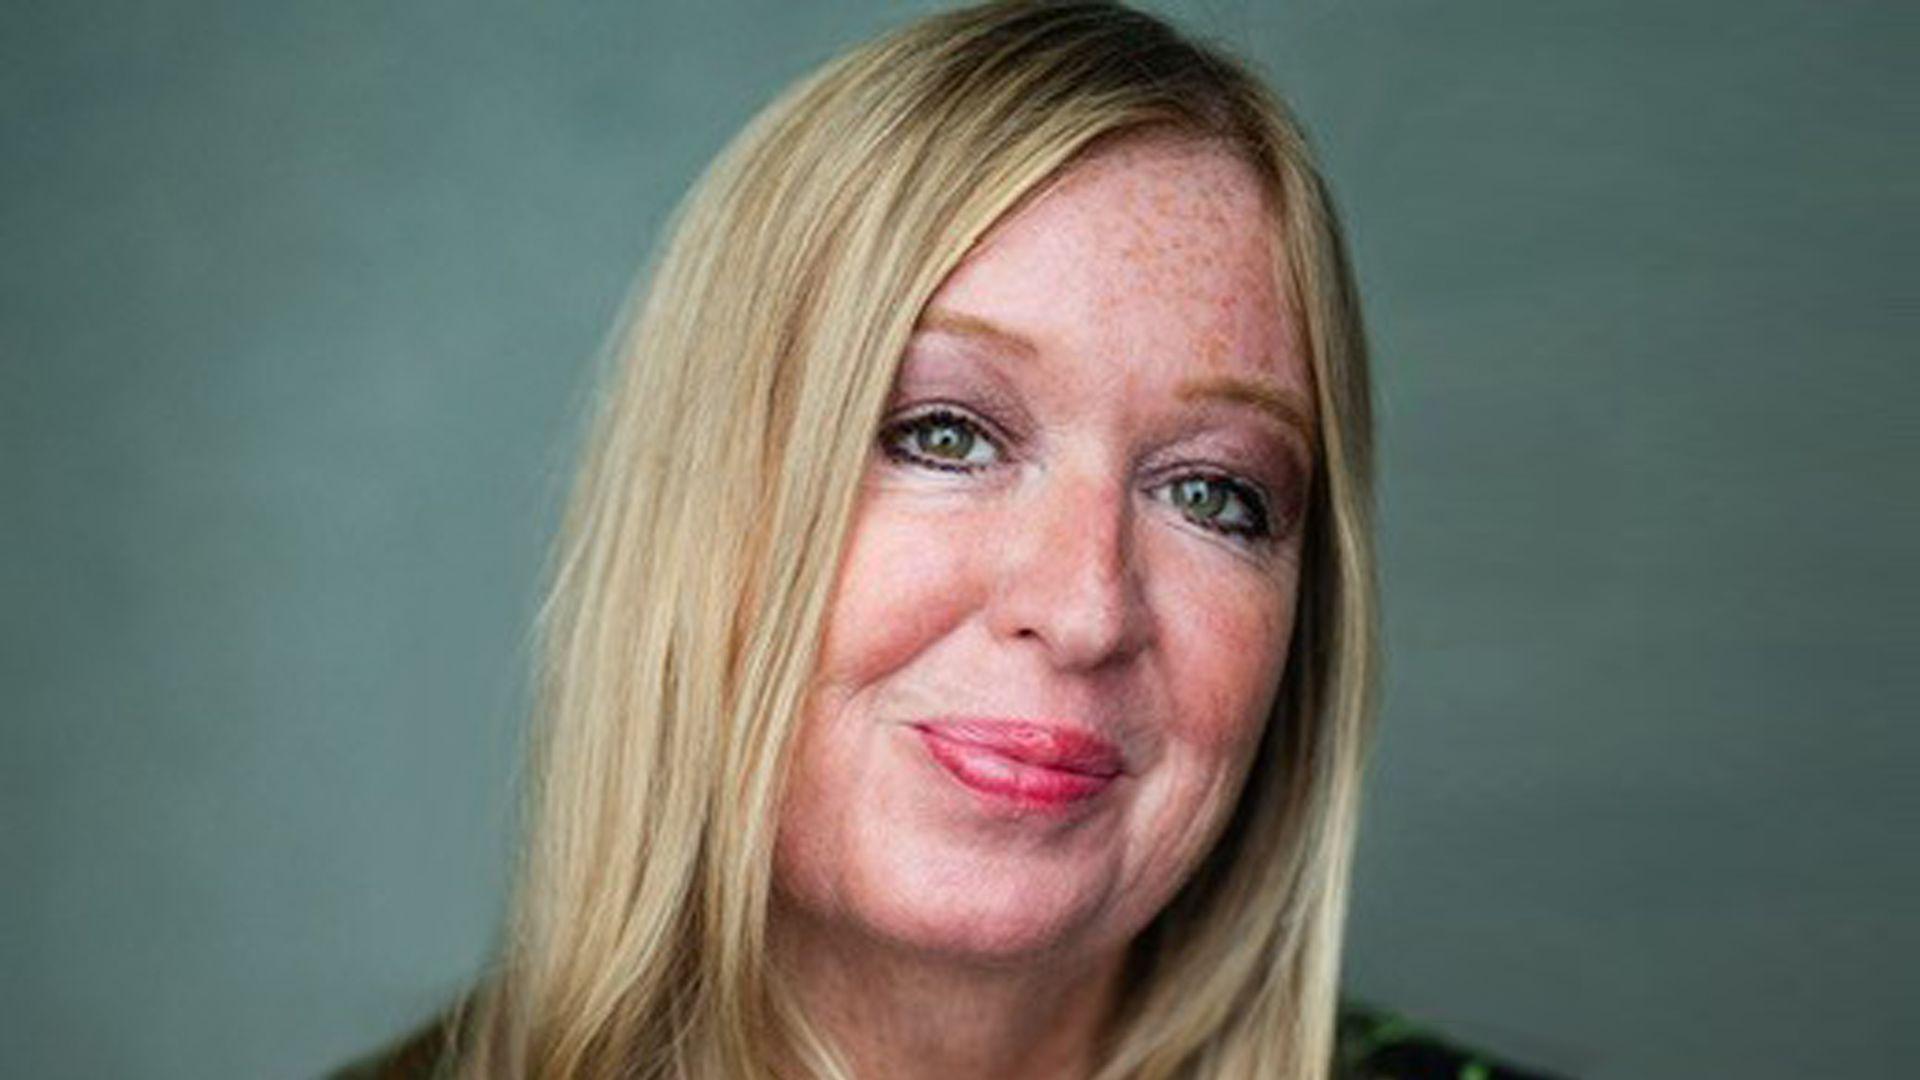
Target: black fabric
(1373, 1044)
(1376, 1044)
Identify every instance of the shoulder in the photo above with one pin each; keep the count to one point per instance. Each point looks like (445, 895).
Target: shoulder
(1374, 1044)
(418, 1055)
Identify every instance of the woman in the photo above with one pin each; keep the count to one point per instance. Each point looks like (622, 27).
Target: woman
(960, 652)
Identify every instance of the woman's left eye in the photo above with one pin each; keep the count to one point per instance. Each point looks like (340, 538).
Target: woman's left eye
(942, 439)
(1220, 504)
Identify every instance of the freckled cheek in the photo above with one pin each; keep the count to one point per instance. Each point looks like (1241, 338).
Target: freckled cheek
(909, 577)
(1226, 648)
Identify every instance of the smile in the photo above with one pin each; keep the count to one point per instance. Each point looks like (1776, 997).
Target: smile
(1030, 765)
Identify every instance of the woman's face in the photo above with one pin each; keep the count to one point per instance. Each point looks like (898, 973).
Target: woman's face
(1065, 607)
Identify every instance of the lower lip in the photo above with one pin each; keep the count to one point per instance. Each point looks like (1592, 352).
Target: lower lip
(1024, 785)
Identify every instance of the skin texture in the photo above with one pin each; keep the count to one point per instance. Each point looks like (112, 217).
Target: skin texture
(1033, 555)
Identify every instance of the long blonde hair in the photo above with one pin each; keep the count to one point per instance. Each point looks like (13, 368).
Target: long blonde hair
(695, 563)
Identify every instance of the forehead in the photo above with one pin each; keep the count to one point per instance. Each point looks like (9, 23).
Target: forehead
(1147, 247)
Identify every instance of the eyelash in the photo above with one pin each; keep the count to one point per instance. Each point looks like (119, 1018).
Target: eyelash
(892, 434)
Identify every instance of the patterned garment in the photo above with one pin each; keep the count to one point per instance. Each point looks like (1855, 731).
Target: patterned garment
(1374, 1044)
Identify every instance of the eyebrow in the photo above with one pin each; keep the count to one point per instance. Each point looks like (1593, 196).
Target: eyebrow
(1288, 407)
(962, 325)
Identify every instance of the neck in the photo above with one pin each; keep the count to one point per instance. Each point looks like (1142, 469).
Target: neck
(895, 1014)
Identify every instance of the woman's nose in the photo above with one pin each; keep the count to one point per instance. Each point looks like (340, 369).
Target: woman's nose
(1068, 574)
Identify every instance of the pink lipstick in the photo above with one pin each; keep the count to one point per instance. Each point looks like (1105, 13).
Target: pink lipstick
(1035, 766)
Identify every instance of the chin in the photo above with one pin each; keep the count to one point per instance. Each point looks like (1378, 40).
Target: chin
(999, 923)
(962, 907)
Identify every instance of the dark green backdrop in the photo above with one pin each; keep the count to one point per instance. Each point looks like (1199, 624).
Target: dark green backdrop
(296, 306)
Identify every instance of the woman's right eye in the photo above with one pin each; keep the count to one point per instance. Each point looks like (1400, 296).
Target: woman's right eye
(940, 439)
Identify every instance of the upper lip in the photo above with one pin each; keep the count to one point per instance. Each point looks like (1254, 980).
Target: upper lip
(1051, 744)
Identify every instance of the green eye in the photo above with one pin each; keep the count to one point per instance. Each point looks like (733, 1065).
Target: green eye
(1218, 503)
(941, 440)
(950, 441)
